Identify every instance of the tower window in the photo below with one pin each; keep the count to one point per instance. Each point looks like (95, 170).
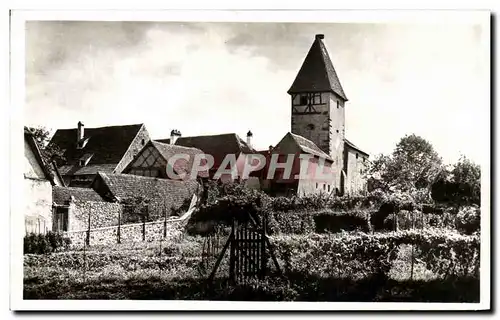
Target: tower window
(303, 100)
(317, 98)
(310, 126)
(143, 141)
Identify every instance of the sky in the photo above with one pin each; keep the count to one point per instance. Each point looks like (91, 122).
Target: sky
(211, 78)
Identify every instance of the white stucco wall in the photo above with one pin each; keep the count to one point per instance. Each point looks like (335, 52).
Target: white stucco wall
(37, 195)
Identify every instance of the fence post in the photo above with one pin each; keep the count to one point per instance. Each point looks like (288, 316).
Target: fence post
(144, 225)
(118, 232)
(87, 241)
(165, 223)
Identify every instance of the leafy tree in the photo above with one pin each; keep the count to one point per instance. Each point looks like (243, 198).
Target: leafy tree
(413, 165)
(50, 152)
(460, 184)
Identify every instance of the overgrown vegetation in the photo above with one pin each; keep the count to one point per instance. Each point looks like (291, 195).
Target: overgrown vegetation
(45, 243)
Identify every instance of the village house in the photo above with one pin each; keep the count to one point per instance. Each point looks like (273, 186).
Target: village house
(105, 203)
(153, 159)
(318, 123)
(39, 178)
(219, 147)
(316, 176)
(91, 150)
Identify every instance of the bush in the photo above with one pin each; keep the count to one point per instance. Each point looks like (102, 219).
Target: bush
(468, 220)
(291, 222)
(331, 221)
(45, 243)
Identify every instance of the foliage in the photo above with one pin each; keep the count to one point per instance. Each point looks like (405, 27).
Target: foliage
(338, 221)
(45, 243)
(328, 267)
(50, 152)
(291, 222)
(135, 209)
(446, 253)
(414, 164)
(459, 186)
(468, 219)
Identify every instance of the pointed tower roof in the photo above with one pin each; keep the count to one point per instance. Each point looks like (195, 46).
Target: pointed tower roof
(317, 73)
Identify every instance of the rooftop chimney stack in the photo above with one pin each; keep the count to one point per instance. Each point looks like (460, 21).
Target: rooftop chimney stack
(80, 132)
(320, 36)
(249, 138)
(174, 135)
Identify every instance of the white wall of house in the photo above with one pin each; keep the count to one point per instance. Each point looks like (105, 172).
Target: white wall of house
(38, 195)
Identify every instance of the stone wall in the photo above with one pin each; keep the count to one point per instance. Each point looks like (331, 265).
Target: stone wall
(137, 232)
(102, 214)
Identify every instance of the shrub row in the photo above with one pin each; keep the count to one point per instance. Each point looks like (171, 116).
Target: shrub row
(446, 253)
(45, 243)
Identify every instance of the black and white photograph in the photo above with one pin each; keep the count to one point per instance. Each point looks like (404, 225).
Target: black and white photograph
(337, 160)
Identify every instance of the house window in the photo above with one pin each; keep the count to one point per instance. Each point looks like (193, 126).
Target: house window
(324, 186)
(356, 155)
(338, 104)
(310, 126)
(328, 188)
(303, 100)
(61, 219)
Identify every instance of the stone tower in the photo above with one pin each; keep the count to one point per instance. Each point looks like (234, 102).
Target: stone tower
(318, 105)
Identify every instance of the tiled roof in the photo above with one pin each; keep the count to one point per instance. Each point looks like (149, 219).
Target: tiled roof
(123, 186)
(317, 73)
(62, 195)
(353, 146)
(169, 150)
(216, 145)
(106, 144)
(309, 147)
(88, 169)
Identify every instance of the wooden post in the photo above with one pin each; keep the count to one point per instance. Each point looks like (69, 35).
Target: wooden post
(164, 222)
(88, 229)
(143, 228)
(232, 256)
(118, 232)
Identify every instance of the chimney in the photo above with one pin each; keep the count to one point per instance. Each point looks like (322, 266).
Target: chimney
(174, 134)
(320, 36)
(249, 138)
(80, 132)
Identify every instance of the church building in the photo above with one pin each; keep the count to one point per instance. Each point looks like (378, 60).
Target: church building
(318, 104)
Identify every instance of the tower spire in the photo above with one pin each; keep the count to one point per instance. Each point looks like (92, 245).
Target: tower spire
(317, 73)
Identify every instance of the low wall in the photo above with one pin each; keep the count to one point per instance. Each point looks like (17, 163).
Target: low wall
(102, 214)
(137, 232)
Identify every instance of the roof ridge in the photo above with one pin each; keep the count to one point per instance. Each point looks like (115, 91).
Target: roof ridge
(112, 126)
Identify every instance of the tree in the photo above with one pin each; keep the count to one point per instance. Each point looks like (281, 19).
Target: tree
(50, 152)
(461, 184)
(413, 165)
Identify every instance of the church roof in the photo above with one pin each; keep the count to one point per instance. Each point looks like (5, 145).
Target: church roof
(317, 73)
(353, 146)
